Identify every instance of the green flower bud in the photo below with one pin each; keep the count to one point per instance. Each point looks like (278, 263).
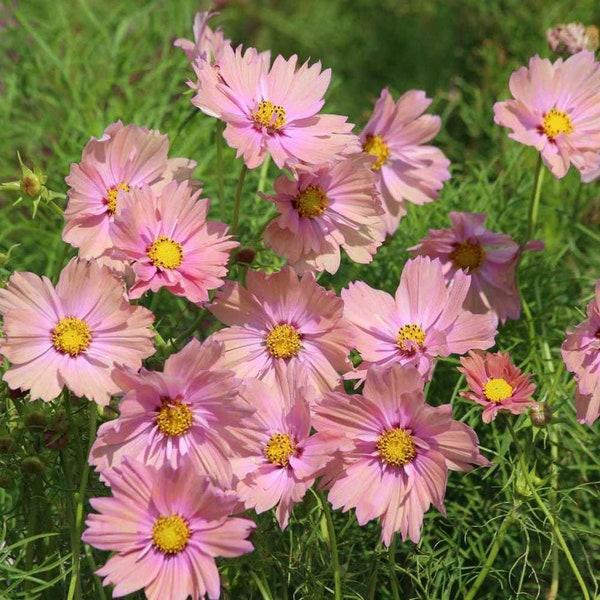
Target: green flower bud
(35, 419)
(32, 465)
(7, 443)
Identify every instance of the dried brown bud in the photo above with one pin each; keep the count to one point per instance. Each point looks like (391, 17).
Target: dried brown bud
(246, 256)
(540, 414)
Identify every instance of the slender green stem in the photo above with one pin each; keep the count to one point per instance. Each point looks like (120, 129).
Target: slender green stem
(220, 174)
(93, 568)
(392, 563)
(262, 586)
(190, 330)
(534, 205)
(335, 561)
(491, 555)
(262, 177)
(551, 519)
(238, 200)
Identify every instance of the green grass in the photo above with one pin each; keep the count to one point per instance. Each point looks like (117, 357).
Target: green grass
(68, 69)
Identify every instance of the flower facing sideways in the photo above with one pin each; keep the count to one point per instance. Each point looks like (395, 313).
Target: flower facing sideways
(165, 527)
(401, 452)
(71, 335)
(497, 384)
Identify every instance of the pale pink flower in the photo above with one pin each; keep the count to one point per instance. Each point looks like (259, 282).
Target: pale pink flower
(408, 169)
(124, 158)
(71, 335)
(272, 110)
(401, 451)
(208, 43)
(581, 353)
(556, 110)
(497, 384)
(165, 527)
(284, 458)
(490, 258)
(328, 207)
(426, 319)
(170, 243)
(280, 318)
(572, 38)
(189, 411)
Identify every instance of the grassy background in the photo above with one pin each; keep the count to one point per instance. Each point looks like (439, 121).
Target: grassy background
(68, 69)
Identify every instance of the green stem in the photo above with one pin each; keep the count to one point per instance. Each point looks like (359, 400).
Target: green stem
(553, 522)
(262, 177)
(75, 584)
(238, 200)
(220, 175)
(492, 553)
(534, 205)
(392, 563)
(93, 568)
(335, 561)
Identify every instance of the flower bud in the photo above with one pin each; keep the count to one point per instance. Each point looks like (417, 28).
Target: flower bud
(31, 185)
(32, 465)
(540, 414)
(59, 422)
(55, 440)
(246, 256)
(35, 419)
(7, 443)
(572, 38)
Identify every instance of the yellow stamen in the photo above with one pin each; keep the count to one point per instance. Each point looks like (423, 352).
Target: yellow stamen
(496, 390)
(170, 534)
(468, 256)
(396, 447)
(311, 202)
(270, 116)
(378, 148)
(111, 197)
(284, 341)
(555, 122)
(410, 333)
(71, 336)
(165, 253)
(279, 449)
(174, 418)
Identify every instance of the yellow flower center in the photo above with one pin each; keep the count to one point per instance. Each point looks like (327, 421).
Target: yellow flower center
(174, 418)
(165, 253)
(71, 336)
(279, 449)
(284, 341)
(111, 197)
(496, 390)
(408, 336)
(468, 257)
(396, 447)
(311, 202)
(555, 122)
(170, 534)
(270, 116)
(378, 148)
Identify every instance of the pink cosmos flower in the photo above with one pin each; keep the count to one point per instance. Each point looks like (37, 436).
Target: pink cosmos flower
(170, 242)
(556, 110)
(280, 318)
(189, 412)
(581, 353)
(497, 384)
(408, 170)
(323, 209)
(208, 43)
(426, 319)
(166, 526)
(490, 258)
(71, 335)
(272, 110)
(284, 459)
(124, 158)
(401, 451)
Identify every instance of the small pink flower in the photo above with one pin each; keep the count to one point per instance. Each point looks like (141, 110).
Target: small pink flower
(71, 335)
(324, 209)
(581, 353)
(497, 384)
(280, 318)
(165, 527)
(284, 459)
(401, 451)
(425, 320)
(190, 411)
(170, 243)
(555, 109)
(124, 158)
(208, 43)
(408, 170)
(272, 110)
(490, 258)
